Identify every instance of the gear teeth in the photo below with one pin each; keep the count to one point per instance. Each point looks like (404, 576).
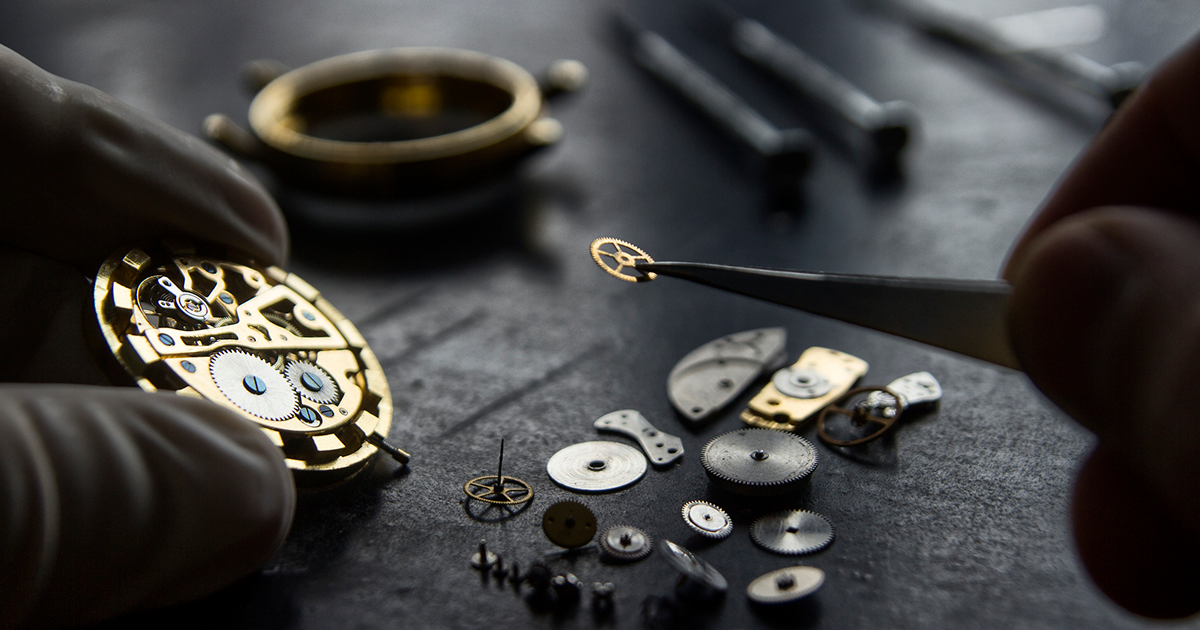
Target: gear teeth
(722, 532)
(279, 406)
(730, 481)
(327, 394)
(594, 248)
(617, 554)
(759, 537)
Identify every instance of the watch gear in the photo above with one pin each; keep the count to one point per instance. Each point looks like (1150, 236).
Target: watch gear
(499, 490)
(798, 391)
(596, 466)
(707, 519)
(792, 532)
(253, 385)
(569, 524)
(698, 580)
(759, 462)
(623, 256)
(785, 585)
(622, 543)
(710, 377)
(312, 382)
(663, 449)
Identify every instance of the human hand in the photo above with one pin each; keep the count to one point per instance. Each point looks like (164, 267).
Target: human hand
(1105, 319)
(113, 499)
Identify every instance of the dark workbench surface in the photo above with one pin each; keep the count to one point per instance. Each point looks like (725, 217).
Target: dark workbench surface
(500, 325)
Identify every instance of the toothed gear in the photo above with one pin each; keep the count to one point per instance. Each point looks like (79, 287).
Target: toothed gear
(622, 258)
(707, 519)
(312, 382)
(759, 462)
(622, 543)
(792, 533)
(253, 385)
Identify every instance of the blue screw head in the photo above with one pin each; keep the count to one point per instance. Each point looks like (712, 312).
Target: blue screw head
(166, 339)
(326, 411)
(309, 316)
(254, 385)
(188, 365)
(311, 382)
(309, 417)
(226, 298)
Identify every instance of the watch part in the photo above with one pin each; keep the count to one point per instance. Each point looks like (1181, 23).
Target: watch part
(596, 466)
(619, 259)
(484, 559)
(818, 377)
(707, 519)
(622, 543)
(256, 339)
(710, 377)
(759, 462)
(918, 388)
(499, 489)
(569, 524)
(792, 533)
(663, 449)
(785, 585)
(697, 578)
(862, 415)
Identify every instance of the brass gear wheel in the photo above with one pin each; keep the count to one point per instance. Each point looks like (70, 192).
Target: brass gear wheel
(623, 255)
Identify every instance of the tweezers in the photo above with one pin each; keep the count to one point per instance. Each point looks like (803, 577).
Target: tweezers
(964, 316)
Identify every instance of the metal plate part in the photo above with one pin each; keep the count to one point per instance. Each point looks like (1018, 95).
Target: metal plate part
(596, 466)
(918, 388)
(758, 462)
(710, 377)
(622, 543)
(663, 449)
(785, 585)
(707, 519)
(698, 579)
(569, 524)
(772, 409)
(792, 533)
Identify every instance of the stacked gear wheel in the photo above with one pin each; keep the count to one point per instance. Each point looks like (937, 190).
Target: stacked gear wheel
(256, 339)
(792, 533)
(759, 462)
(622, 543)
(707, 519)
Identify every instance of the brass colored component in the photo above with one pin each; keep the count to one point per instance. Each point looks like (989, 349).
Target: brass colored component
(838, 371)
(623, 255)
(875, 418)
(499, 489)
(198, 324)
(569, 524)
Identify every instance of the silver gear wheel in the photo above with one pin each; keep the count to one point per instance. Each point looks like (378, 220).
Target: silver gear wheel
(792, 533)
(622, 543)
(253, 385)
(312, 382)
(785, 585)
(759, 462)
(707, 519)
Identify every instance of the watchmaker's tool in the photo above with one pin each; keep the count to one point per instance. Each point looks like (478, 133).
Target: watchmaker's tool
(798, 391)
(402, 120)
(663, 449)
(1111, 83)
(707, 519)
(866, 413)
(964, 316)
(759, 462)
(698, 580)
(569, 524)
(889, 126)
(255, 339)
(785, 585)
(786, 155)
(484, 559)
(596, 466)
(622, 543)
(792, 533)
(710, 377)
(499, 489)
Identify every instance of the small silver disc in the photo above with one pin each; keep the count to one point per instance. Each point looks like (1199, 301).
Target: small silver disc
(785, 585)
(596, 466)
(312, 382)
(707, 519)
(800, 383)
(253, 385)
(622, 543)
(792, 533)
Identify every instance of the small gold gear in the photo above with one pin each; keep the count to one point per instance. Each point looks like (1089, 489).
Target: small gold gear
(498, 490)
(621, 258)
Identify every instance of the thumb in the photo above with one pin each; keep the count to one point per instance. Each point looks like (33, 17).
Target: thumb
(114, 499)
(1105, 319)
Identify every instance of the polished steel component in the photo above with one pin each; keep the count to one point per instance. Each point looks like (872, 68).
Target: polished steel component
(787, 154)
(622, 543)
(569, 524)
(785, 585)
(918, 388)
(663, 449)
(759, 462)
(596, 466)
(615, 256)
(697, 579)
(707, 519)
(819, 377)
(710, 377)
(876, 410)
(499, 489)
(235, 350)
(792, 533)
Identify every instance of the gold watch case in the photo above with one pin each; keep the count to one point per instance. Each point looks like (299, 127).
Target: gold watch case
(255, 339)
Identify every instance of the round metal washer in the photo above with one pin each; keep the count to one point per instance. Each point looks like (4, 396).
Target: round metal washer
(785, 585)
(596, 466)
(707, 519)
(569, 524)
(622, 543)
(792, 533)
(759, 462)
(698, 579)
(800, 383)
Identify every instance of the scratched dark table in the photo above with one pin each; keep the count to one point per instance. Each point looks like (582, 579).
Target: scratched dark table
(496, 324)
